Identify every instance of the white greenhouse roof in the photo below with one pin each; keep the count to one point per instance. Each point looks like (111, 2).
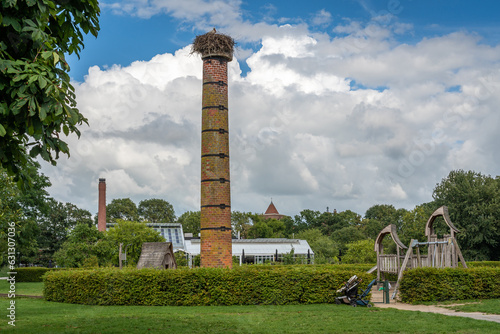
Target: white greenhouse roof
(257, 246)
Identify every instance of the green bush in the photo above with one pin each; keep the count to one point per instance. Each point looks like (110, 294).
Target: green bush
(475, 264)
(180, 259)
(360, 251)
(355, 266)
(247, 285)
(31, 274)
(431, 284)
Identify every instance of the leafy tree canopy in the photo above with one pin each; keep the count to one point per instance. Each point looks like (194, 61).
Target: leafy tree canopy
(414, 224)
(325, 249)
(347, 235)
(190, 221)
(37, 101)
(360, 251)
(132, 235)
(25, 209)
(386, 214)
(260, 229)
(83, 243)
(473, 200)
(156, 211)
(334, 221)
(379, 216)
(328, 222)
(56, 223)
(266, 228)
(307, 219)
(42, 223)
(121, 208)
(241, 222)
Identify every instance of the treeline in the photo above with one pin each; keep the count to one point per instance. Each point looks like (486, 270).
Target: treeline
(473, 200)
(48, 231)
(42, 224)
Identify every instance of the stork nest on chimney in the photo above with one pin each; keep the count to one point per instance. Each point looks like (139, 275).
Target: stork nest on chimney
(213, 44)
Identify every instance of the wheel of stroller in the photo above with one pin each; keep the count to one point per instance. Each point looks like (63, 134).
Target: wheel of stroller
(354, 304)
(369, 305)
(338, 302)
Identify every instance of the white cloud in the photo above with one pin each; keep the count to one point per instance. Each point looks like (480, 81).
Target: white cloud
(185, 10)
(344, 121)
(322, 18)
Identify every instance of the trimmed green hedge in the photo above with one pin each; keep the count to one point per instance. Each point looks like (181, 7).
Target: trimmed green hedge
(248, 285)
(475, 264)
(352, 266)
(32, 274)
(431, 284)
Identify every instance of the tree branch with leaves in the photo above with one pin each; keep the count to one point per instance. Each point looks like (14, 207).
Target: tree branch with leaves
(37, 101)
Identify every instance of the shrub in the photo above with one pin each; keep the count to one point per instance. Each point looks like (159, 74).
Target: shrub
(247, 285)
(180, 259)
(475, 264)
(31, 274)
(432, 284)
(325, 249)
(360, 252)
(91, 262)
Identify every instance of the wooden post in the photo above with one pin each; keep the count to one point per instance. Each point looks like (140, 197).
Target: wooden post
(403, 267)
(120, 255)
(430, 251)
(378, 265)
(459, 253)
(410, 263)
(438, 252)
(455, 253)
(446, 250)
(419, 263)
(398, 260)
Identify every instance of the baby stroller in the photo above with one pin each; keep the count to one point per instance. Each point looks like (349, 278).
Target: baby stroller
(350, 291)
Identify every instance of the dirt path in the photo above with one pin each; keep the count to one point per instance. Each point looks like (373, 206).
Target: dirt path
(441, 310)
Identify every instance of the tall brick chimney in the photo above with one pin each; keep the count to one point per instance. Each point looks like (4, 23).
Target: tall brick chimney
(101, 215)
(216, 51)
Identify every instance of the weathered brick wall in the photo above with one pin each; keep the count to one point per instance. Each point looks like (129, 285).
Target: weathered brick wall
(216, 245)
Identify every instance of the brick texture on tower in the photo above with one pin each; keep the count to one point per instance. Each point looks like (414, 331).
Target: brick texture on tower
(215, 229)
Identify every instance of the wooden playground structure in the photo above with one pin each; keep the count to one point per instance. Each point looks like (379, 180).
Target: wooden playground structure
(441, 253)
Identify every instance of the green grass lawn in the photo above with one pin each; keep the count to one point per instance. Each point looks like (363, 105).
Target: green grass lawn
(23, 288)
(3, 271)
(39, 316)
(491, 306)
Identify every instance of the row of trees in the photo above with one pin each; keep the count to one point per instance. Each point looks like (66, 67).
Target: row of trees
(87, 247)
(152, 210)
(42, 223)
(473, 200)
(49, 231)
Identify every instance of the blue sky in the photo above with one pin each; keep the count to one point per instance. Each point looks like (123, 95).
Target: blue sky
(126, 38)
(342, 104)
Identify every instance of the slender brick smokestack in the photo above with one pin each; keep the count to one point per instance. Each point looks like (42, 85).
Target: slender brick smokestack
(101, 215)
(216, 246)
